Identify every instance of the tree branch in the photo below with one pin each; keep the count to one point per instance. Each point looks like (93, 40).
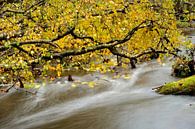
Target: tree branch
(38, 3)
(4, 48)
(21, 49)
(5, 36)
(60, 36)
(41, 41)
(100, 45)
(157, 52)
(114, 51)
(12, 11)
(108, 12)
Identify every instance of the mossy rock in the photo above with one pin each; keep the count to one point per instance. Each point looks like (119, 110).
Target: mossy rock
(183, 68)
(184, 86)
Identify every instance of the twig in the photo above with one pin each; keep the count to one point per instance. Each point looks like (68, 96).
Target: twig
(157, 88)
(25, 90)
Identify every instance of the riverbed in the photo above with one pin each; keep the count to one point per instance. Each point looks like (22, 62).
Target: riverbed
(114, 103)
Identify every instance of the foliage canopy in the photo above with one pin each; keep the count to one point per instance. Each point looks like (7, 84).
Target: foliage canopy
(40, 37)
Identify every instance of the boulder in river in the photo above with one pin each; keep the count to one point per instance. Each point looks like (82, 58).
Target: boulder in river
(183, 68)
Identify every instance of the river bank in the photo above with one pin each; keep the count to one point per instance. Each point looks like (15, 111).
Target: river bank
(184, 86)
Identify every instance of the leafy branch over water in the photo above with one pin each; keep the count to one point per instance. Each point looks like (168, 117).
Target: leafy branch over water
(44, 37)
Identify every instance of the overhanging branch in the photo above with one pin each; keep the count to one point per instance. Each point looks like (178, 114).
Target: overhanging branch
(41, 41)
(101, 45)
(17, 34)
(37, 3)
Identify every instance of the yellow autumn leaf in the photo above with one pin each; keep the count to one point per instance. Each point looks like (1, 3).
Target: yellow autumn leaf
(74, 85)
(91, 84)
(159, 60)
(126, 77)
(116, 76)
(84, 83)
(59, 73)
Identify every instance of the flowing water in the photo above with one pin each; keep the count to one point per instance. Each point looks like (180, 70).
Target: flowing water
(191, 35)
(111, 104)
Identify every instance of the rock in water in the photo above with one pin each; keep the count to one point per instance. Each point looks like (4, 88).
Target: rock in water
(184, 86)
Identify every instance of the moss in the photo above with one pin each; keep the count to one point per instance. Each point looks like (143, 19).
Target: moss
(183, 67)
(184, 86)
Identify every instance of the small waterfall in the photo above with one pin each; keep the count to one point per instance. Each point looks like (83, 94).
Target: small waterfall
(119, 85)
(136, 74)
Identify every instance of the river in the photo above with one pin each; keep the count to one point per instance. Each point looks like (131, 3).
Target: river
(191, 35)
(111, 104)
